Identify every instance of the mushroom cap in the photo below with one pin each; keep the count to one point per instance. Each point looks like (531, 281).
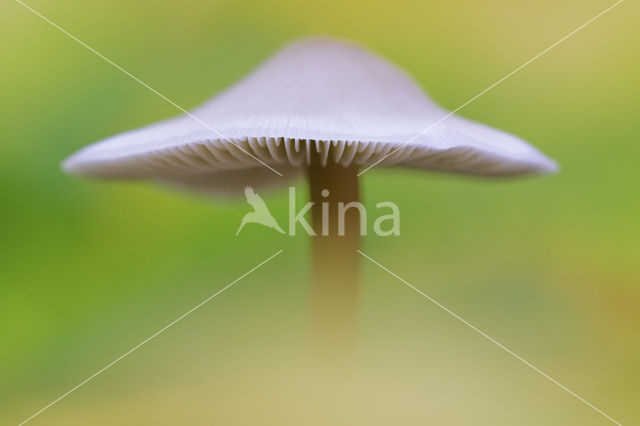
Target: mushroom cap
(317, 93)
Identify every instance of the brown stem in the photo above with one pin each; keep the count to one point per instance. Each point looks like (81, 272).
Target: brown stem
(335, 266)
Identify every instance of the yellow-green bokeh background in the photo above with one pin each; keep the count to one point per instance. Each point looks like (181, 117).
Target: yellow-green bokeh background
(548, 266)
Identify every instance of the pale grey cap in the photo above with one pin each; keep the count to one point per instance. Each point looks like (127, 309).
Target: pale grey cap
(313, 94)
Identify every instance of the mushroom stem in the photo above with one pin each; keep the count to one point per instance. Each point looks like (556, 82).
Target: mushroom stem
(335, 266)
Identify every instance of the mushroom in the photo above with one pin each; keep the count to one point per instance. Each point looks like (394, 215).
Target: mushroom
(322, 106)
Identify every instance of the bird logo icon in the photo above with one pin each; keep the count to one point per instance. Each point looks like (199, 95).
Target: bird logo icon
(260, 213)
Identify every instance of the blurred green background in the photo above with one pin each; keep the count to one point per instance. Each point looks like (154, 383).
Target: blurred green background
(548, 266)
